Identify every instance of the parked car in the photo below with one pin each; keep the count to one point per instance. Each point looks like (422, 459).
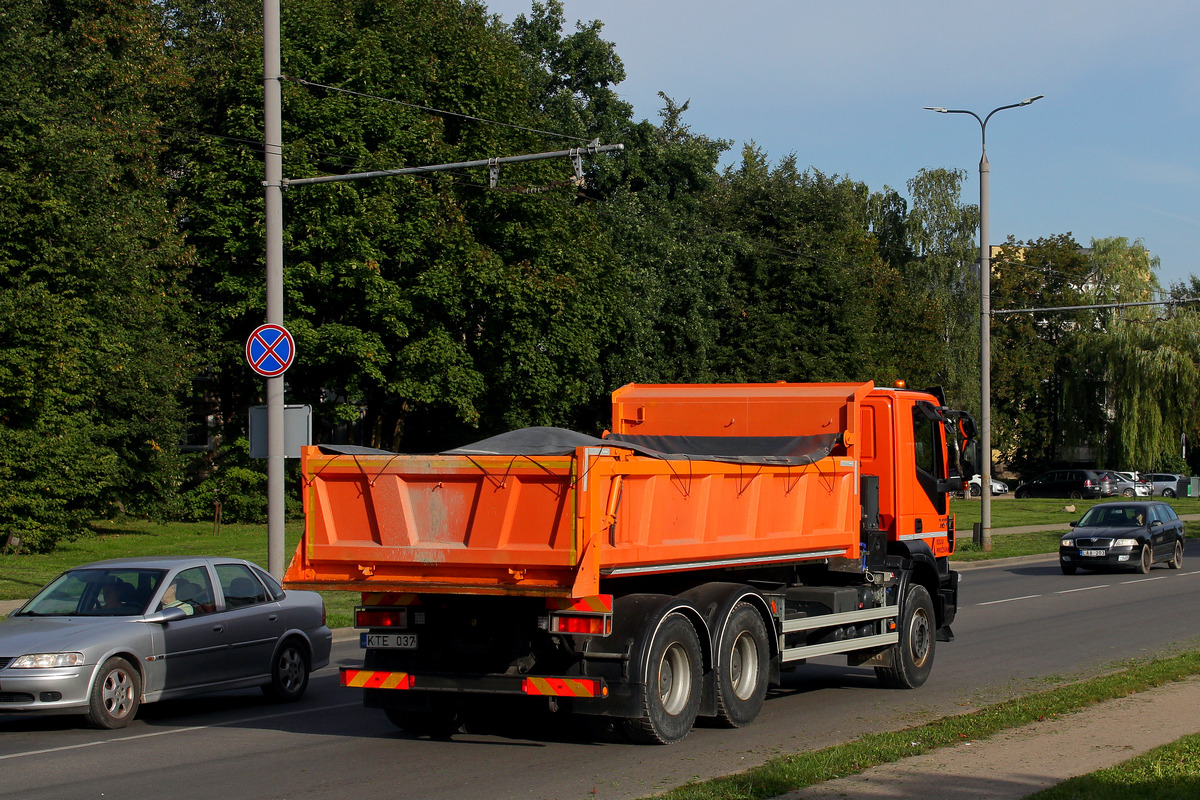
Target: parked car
(1074, 483)
(1133, 534)
(974, 486)
(1140, 487)
(1165, 484)
(103, 638)
(1122, 484)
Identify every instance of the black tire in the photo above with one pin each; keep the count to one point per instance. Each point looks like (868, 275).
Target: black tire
(1176, 561)
(438, 724)
(912, 656)
(1067, 569)
(116, 695)
(673, 685)
(742, 667)
(1020, 495)
(1146, 561)
(975, 491)
(1076, 495)
(289, 673)
(1127, 493)
(1168, 492)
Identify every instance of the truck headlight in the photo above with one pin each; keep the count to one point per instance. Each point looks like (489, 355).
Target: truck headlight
(47, 660)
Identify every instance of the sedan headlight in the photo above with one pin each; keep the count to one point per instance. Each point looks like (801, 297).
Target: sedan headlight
(1068, 542)
(46, 660)
(1125, 543)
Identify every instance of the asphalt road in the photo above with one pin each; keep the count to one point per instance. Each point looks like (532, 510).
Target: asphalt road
(1022, 626)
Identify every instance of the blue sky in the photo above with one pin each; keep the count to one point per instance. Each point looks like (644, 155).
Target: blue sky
(1112, 150)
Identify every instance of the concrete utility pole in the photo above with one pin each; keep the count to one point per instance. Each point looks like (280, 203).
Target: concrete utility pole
(273, 189)
(985, 322)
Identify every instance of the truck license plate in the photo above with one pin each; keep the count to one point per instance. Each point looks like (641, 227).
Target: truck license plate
(388, 641)
(1091, 553)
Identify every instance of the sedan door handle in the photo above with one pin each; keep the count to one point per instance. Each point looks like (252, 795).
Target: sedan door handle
(218, 628)
(273, 617)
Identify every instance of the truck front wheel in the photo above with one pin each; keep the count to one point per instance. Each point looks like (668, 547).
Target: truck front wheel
(673, 683)
(912, 656)
(742, 667)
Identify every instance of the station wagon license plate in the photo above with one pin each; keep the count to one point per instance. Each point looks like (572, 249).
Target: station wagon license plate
(388, 641)
(1092, 553)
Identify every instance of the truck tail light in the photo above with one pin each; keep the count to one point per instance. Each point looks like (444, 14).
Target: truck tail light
(580, 624)
(381, 617)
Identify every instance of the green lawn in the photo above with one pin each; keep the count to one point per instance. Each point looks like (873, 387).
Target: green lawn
(1010, 513)
(25, 573)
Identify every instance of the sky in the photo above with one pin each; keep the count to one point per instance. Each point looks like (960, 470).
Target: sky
(1111, 150)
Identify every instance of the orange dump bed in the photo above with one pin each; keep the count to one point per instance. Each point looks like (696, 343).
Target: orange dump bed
(558, 525)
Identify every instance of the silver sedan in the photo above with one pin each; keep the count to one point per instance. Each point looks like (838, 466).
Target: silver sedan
(103, 638)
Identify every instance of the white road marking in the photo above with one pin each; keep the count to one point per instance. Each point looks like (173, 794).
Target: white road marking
(1143, 580)
(1009, 600)
(1085, 588)
(173, 731)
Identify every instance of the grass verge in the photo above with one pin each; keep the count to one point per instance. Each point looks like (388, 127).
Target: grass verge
(798, 770)
(1170, 772)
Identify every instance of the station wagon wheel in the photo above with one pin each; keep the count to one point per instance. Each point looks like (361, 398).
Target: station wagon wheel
(1177, 559)
(289, 673)
(1127, 492)
(1146, 561)
(116, 695)
(1076, 495)
(1168, 492)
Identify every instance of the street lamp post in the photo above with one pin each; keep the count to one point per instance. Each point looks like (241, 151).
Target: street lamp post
(985, 322)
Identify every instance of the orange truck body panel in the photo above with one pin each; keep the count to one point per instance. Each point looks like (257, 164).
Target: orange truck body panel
(555, 526)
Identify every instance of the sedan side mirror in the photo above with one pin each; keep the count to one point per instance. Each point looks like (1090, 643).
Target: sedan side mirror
(166, 615)
(1073, 524)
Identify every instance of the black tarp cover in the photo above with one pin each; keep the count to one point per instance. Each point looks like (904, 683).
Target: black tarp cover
(546, 441)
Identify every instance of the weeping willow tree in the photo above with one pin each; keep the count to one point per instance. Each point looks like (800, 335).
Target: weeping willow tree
(1137, 373)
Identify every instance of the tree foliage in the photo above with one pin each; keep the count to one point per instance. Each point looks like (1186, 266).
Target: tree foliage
(91, 303)
(432, 310)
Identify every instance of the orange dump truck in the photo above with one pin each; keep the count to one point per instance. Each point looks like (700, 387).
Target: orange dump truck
(717, 537)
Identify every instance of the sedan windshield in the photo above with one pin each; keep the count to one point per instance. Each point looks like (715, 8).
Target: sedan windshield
(97, 592)
(1108, 516)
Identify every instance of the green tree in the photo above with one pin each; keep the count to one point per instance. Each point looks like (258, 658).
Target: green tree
(1137, 368)
(91, 321)
(941, 237)
(1034, 423)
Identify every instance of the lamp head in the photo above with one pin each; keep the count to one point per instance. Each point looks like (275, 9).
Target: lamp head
(1029, 100)
(941, 110)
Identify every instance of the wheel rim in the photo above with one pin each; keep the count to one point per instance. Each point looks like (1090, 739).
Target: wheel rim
(117, 693)
(291, 670)
(674, 679)
(919, 637)
(743, 666)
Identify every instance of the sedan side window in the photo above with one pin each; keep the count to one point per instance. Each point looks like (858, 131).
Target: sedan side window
(1168, 514)
(190, 590)
(240, 586)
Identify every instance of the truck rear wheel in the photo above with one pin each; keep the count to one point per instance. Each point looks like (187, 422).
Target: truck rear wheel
(912, 656)
(742, 667)
(673, 683)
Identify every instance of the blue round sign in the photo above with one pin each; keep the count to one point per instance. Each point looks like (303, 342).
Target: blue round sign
(270, 350)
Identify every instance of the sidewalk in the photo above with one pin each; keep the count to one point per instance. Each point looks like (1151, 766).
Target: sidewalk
(1016, 763)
